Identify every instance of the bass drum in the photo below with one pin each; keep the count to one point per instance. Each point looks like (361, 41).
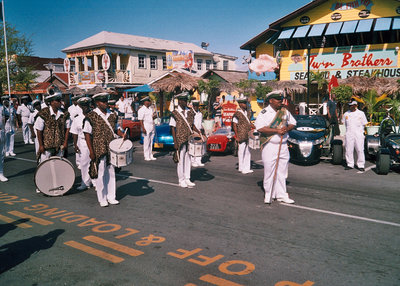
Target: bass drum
(55, 176)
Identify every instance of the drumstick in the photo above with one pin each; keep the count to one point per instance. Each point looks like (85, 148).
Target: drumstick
(123, 138)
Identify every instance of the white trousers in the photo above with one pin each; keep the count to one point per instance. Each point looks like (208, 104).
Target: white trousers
(355, 142)
(244, 157)
(184, 164)
(10, 142)
(269, 157)
(196, 160)
(148, 144)
(47, 155)
(26, 132)
(105, 182)
(84, 160)
(2, 150)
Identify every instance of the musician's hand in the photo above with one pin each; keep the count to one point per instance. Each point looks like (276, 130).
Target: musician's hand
(33, 136)
(125, 136)
(176, 146)
(65, 146)
(92, 156)
(282, 131)
(41, 150)
(77, 150)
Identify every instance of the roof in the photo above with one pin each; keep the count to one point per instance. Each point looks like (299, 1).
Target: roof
(110, 39)
(38, 63)
(228, 76)
(226, 56)
(275, 26)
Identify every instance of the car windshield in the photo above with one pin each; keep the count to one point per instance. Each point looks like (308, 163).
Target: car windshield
(222, 131)
(314, 121)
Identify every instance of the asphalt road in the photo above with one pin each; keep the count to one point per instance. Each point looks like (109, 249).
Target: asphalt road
(343, 230)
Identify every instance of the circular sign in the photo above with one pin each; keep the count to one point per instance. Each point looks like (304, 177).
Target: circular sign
(398, 10)
(336, 16)
(100, 76)
(364, 14)
(105, 61)
(67, 65)
(304, 19)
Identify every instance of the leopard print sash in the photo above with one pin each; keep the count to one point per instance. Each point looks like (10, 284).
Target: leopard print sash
(182, 129)
(243, 126)
(54, 130)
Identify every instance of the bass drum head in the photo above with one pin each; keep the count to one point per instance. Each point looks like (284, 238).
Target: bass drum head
(54, 176)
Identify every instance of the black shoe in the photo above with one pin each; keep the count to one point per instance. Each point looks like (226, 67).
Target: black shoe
(348, 168)
(361, 169)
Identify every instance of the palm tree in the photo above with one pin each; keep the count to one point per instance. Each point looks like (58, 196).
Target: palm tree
(319, 77)
(374, 104)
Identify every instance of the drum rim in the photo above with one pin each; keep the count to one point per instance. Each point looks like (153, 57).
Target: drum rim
(54, 158)
(119, 152)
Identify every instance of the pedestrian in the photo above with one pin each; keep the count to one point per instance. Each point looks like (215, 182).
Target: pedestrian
(23, 112)
(333, 114)
(3, 120)
(100, 126)
(37, 106)
(80, 145)
(198, 122)
(111, 106)
(182, 127)
(217, 109)
(241, 126)
(355, 121)
(146, 116)
(52, 128)
(9, 127)
(120, 105)
(274, 122)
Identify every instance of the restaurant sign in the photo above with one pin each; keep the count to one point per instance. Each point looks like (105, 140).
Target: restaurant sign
(180, 59)
(86, 53)
(228, 109)
(347, 64)
(352, 5)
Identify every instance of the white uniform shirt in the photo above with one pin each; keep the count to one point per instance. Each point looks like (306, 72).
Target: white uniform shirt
(77, 127)
(198, 120)
(24, 111)
(121, 105)
(146, 114)
(31, 119)
(39, 123)
(172, 121)
(355, 122)
(265, 118)
(87, 128)
(74, 111)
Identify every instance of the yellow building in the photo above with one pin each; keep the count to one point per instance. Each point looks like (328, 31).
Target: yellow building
(341, 38)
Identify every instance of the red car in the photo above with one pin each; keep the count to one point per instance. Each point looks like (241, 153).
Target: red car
(222, 141)
(133, 127)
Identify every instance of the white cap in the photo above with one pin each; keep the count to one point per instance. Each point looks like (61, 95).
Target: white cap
(353, 103)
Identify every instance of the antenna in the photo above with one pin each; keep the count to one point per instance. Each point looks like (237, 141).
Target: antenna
(204, 45)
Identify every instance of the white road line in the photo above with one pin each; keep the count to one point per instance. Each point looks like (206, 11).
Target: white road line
(22, 159)
(367, 169)
(343, 215)
(150, 180)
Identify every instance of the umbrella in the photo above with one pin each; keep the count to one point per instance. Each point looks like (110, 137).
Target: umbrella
(142, 88)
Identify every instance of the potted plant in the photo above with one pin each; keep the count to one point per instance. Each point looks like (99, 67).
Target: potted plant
(374, 106)
(261, 91)
(211, 88)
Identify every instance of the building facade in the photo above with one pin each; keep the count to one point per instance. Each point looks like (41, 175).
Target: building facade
(133, 60)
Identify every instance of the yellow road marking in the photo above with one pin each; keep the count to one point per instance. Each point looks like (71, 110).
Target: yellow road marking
(10, 220)
(217, 281)
(113, 245)
(31, 217)
(94, 251)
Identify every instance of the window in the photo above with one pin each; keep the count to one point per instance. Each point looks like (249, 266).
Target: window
(208, 64)
(142, 61)
(153, 62)
(225, 66)
(215, 65)
(164, 63)
(123, 67)
(199, 63)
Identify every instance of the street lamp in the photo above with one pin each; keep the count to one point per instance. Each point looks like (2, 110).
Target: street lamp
(308, 74)
(50, 66)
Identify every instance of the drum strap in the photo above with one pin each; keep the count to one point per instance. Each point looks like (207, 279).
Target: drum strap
(109, 125)
(240, 110)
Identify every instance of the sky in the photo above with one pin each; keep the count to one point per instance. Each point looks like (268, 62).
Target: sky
(53, 25)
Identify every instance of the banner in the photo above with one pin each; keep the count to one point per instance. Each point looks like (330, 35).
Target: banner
(180, 59)
(228, 109)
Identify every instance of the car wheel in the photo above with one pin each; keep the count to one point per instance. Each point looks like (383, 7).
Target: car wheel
(337, 154)
(382, 163)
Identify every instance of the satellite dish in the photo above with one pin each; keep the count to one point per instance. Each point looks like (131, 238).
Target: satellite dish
(204, 45)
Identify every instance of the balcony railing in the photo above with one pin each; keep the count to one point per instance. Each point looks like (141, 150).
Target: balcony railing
(101, 76)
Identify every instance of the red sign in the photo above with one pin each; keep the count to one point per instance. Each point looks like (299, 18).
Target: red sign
(67, 65)
(228, 109)
(105, 61)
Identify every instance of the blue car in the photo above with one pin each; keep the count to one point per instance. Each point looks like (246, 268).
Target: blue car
(163, 137)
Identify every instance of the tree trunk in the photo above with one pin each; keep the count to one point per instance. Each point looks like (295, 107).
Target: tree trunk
(161, 95)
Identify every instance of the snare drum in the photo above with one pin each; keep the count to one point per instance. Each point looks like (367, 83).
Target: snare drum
(197, 147)
(121, 152)
(55, 176)
(254, 139)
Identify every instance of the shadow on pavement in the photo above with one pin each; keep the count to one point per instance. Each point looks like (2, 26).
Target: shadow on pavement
(6, 227)
(17, 252)
(136, 189)
(201, 174)
(23, 172)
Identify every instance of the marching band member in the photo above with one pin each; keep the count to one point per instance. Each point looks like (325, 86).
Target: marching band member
(146, 117)
(23, 112)
(80, 145)
(74, 110)
(99, 129)
(37, 106)
(241, 126)
(9, 127)
(198, 120)
(182, 127)
(3, 119)
(52, 128)
(275, 122)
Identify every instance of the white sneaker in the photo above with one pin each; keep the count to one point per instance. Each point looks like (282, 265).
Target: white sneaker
(267, 201)
(183, 184)
(37, 191)
(189, 183)
(12, 154)
(286, 201)
(195, 165)
(247, 172)
(7, 154)
(82, 187)
(31, 142)
(153, 158)
(113, 202)
(105, 204)
(147, 159)
(3, 179)
(201, 165)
